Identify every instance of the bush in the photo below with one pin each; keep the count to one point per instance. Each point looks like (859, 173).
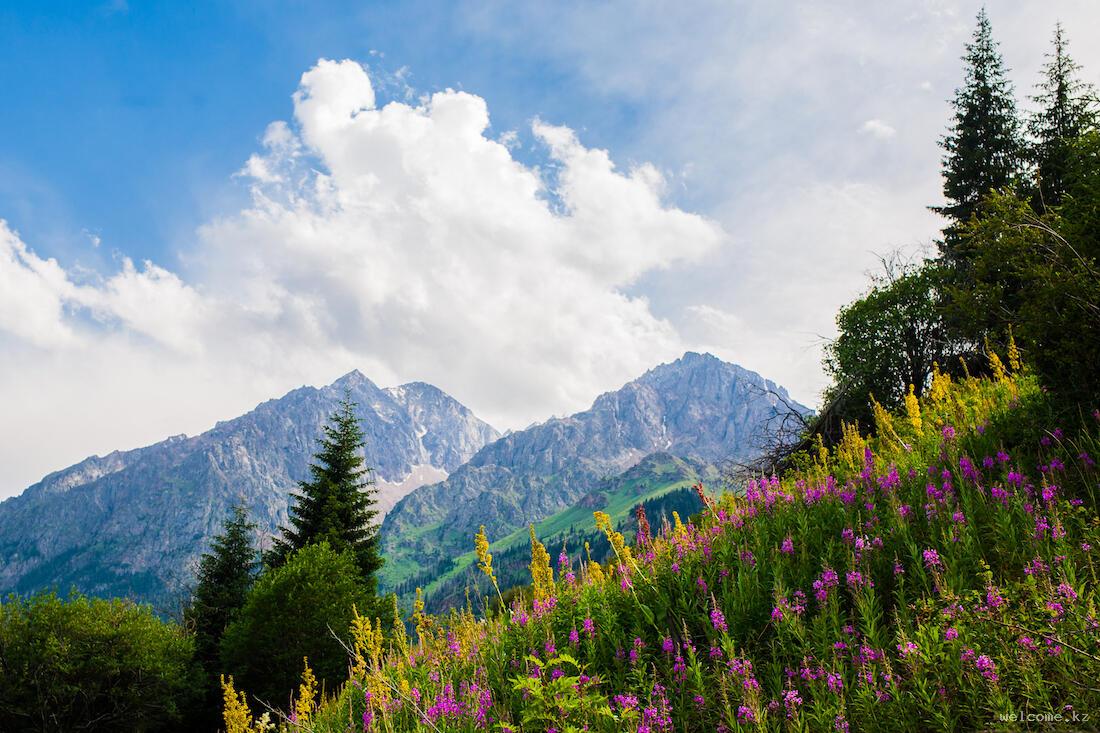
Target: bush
(91, 664)
(292, 613)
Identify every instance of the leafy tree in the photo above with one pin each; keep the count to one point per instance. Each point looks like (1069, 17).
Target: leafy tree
(1066, 111)
(293, 612)
(888, 340)
(337, 504)
(1040, 275)
(983, 147)
(225, 575)
(92, 664)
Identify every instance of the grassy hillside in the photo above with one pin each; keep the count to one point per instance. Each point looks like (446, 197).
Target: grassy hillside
(937, 575)
(656, 476)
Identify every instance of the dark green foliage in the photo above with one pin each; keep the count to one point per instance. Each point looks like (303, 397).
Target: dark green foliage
(983, 147)
(1039, 275)
(888, 340)
(293, 612)
(91, 664)
(337, 504)
(225, 575)
(1066, 111)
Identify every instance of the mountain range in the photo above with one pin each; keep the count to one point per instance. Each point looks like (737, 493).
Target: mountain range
(133, 523)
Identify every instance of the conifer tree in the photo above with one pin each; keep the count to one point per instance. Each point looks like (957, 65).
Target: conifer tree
(337, 504)
(224, 578)
(983, 147)
(1066, 111)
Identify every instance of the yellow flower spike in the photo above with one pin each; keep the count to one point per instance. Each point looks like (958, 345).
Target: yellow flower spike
(677, 524)
(484, 557)
(235, 712)
(422, 621)
(542, 575)
(401, 639)
(361, 642)
(376, 644)
(995, 363)
(307, 694)
(1013, 353)
(941, 385)
(912, 409)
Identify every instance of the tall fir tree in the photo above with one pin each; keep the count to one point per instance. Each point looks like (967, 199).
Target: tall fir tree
(1066, 110)
(983, 148)
(337, 504)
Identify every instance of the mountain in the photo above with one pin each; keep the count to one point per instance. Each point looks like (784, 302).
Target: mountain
(132, 523)
(696, 407)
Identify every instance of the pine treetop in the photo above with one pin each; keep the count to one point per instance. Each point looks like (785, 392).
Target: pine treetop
(337, 503)
(983, 147)
(1066, 109)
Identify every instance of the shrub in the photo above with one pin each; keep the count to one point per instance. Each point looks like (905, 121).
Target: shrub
(91, 664)
(292, 612)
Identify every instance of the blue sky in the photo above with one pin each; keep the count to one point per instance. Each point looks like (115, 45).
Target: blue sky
(204, 205)
(127, 120)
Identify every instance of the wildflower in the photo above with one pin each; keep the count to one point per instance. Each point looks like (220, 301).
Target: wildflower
(840, 725)
(908, 649)
(574, 637)
(589, 628)
(642, 539)
(791, 701)
(667, 646)
(987, 668)
(699, 701)
(717, 620)
(745, 715)
(950, 633)
(542, 576)
(1066, 591)
(932, 560)
(788, 546)
(484, 557)
(307, 693)
(834, 682)
(912, 409)
(948, 432)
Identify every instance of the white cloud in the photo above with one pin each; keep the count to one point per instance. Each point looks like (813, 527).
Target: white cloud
(878, 128)
(401, 239)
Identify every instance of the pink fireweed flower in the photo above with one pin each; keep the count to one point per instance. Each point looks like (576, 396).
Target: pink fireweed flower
(589, 627)
(745, 715)
(574, 637)
(908, 649)
(788, 546)
(932, 560)
(667, 646)
(948, 432)
(986, 667)
(717, 620)
(950, 633)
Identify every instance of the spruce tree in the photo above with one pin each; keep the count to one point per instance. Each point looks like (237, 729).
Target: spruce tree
(1066, 111)
(337, 504)
(224, 578)
(983, 147)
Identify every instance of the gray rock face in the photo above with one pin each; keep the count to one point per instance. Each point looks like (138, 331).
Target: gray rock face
(696, 407)
(133, 523)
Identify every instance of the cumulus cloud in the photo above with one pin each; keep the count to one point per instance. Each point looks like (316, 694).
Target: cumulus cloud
(400, 239)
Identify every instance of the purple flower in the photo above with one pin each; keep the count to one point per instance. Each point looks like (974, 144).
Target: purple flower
(932, 559)
(589, 627)
(717, 620)
(745, 715)
(951, 633)
(788, 546)
(574, 637)
(948, 432)
(986, 667)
